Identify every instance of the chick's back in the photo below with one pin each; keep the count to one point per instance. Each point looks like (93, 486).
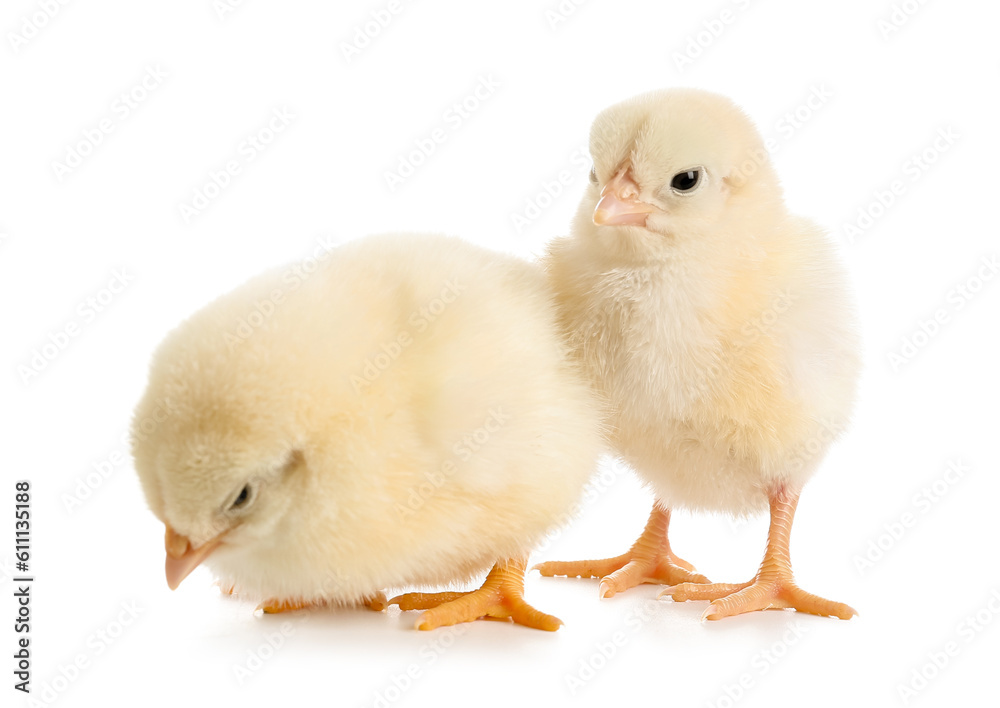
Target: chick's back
(422, 379)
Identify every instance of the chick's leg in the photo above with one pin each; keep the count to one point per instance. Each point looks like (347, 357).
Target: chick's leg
(650, 560)
(500, 597)
(773, 587)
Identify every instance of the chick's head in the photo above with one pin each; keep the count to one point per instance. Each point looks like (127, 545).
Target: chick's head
(672, 165)
(219, 470)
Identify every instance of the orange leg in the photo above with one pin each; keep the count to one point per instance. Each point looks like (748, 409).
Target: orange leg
(500, 597)
(650, 560)
(773, 587)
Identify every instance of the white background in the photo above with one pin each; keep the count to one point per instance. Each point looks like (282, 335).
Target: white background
(96, 549)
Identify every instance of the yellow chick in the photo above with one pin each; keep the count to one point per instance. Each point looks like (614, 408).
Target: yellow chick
(405, 413)
(717, 326)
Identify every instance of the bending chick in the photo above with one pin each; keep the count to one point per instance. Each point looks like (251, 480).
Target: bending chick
(404, 414)
(717, 326)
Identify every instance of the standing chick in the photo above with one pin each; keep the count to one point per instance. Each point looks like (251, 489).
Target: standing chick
(406, 413)
(717, 326)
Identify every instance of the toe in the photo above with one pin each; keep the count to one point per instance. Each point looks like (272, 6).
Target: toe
(376, 602)
(581, 569)
(680, 562)
(803, 601)
(668, 573)
(424, 600)
(749, 599)
(274, 606)
(523, 613)
(633, 573)
(464, 608)
(701, 591)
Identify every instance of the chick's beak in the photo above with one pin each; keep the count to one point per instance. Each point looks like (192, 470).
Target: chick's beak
(619, 205)
(182, 558)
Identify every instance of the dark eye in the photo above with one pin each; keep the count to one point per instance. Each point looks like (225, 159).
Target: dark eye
(593, 175)
(686, 181)
(242, 498)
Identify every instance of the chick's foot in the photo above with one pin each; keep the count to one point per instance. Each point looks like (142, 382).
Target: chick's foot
(650, 560)
(500, 597)
(773, 588)
(766, 592)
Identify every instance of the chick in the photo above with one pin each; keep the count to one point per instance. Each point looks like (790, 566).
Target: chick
(404, 414)
(719, 329)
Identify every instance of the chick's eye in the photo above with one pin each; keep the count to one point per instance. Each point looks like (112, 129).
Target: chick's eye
(242, 498)
(685, 181)
(593, 175)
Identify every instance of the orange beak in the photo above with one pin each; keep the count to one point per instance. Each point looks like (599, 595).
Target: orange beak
(182, 558)
(620, 205)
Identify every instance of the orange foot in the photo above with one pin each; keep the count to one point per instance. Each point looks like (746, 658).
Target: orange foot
(766, 592)
(500, 597)
(650, 560)
(376, 603)
(773, 588)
